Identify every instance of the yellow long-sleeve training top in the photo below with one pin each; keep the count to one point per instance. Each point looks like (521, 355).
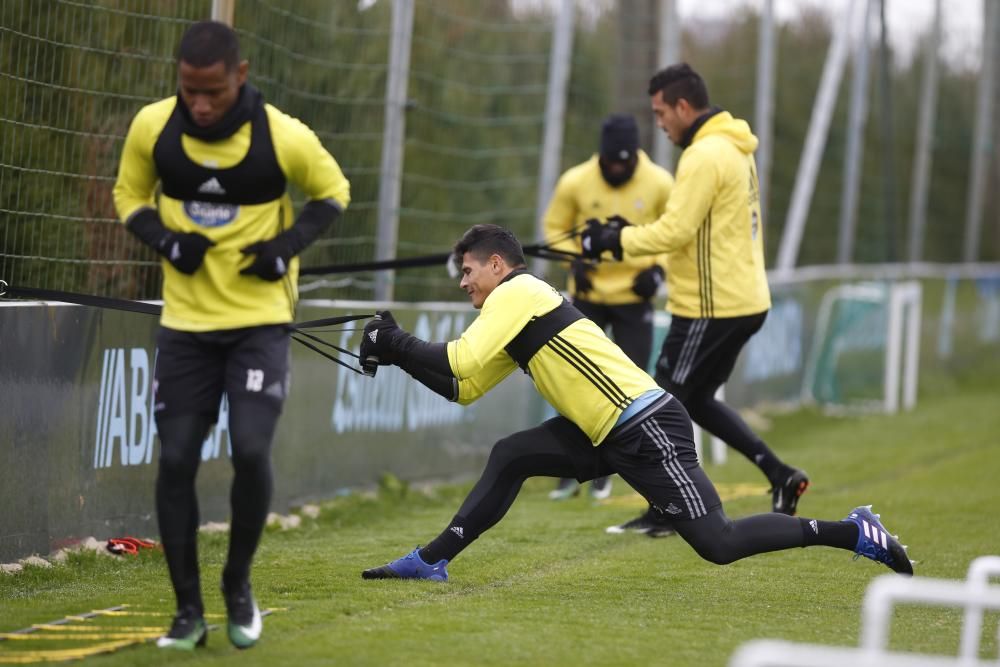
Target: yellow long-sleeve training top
(581, 194)
(711, 229)
(574, 365)
(216, 296)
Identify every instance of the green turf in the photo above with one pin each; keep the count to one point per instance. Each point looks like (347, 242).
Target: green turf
(548, 587)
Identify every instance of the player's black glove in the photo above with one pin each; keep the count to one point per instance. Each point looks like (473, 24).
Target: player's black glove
(581, 275)
(597, 238)
(272, 258)
(648, 281)
(378, 343)
(273, 255)
(185, 251)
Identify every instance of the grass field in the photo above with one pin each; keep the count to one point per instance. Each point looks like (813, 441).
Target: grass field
(547, 586)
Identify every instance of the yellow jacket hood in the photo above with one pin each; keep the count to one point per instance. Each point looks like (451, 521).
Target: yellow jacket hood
(735, 130)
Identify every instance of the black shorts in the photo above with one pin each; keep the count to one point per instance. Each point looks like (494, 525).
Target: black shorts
(194, 369)
(654, 452)
(698, 355)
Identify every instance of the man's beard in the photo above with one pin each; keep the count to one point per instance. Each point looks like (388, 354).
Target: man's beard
(618, 178)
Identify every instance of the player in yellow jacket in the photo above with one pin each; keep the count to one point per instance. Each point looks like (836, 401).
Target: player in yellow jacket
(613, 418)
(717, 288)
(223, 225)
(619, 180)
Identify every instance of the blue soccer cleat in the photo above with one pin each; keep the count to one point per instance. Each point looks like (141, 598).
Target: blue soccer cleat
(410, 566)
(876, 543)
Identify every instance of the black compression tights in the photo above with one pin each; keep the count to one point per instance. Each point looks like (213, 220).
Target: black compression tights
(715, 537)
(726, 424)
(251, 428)
(513, 459)
(721, 540)
(176, 503)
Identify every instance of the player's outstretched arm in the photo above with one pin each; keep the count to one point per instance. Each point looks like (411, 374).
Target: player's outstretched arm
(385, 343)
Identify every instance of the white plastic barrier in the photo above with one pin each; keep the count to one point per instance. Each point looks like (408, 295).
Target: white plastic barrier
(776, 653)
(972, 629)
(975, 595)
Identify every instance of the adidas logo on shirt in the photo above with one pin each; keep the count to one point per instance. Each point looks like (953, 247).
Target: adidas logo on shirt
(456, 529)
(212, 187)
(814, 526)
(373, 335)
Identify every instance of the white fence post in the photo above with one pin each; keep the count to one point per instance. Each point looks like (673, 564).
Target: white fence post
(555, 108)
(855, 150)
(393, 137)
(901, 365)
(763, 116)
(812, 151)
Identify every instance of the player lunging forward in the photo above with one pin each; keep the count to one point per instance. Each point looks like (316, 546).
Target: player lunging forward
(614, 419)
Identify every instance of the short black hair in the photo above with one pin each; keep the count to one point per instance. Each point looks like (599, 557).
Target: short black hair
(207, 42)
(486, 240)
(677, 82)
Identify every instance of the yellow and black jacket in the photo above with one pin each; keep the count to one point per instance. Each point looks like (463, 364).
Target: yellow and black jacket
(581, 194)
(711, 229)
(233, 191)
(575, 367)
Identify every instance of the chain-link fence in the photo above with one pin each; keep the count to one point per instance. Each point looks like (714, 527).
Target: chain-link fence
(74, 72)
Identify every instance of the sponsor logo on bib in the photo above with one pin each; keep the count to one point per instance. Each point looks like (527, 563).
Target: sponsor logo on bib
(206, 214)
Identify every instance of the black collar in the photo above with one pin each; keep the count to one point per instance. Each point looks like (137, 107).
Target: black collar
(246, 106)
(514, 274)
(689, 133)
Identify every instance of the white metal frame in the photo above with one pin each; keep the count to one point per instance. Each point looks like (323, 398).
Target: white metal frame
(777, 653)
(975, 595)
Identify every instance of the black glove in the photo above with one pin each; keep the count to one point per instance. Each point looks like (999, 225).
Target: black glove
(381, 335)
(185, 251)
(581, 275)
(597, 238)
(648, 281)
(274, 255)
(272, 258)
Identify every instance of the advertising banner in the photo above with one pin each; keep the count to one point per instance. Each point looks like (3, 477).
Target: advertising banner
(78, 445)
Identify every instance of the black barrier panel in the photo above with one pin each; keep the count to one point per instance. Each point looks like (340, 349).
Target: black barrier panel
(77, 449)
(77, 439)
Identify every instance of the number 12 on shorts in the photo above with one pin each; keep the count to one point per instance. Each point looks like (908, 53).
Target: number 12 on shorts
(255, 379)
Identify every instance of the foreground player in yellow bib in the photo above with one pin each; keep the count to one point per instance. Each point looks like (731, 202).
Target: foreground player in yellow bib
(613, 419)
(221, 159)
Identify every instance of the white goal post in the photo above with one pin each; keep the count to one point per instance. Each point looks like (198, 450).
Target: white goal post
(896, 325)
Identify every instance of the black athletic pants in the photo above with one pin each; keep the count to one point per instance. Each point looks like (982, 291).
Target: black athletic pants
(655, 454)
(192, 372)
(697, 357)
